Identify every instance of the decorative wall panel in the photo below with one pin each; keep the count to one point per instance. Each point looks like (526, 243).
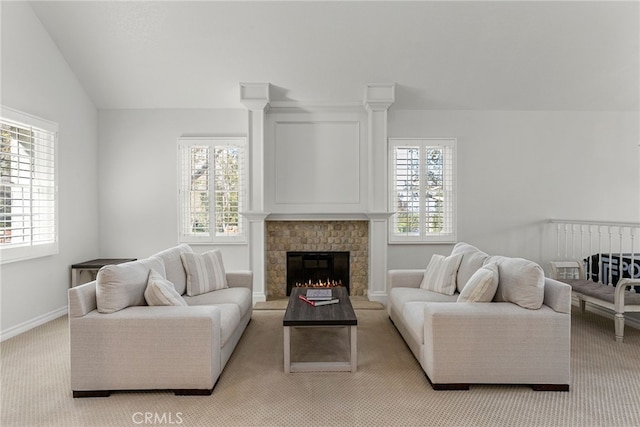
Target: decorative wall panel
(317, 162)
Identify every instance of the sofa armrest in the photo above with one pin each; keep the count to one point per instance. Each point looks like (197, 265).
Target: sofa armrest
(557, 295)
(405, 278)
(146, 348)
(82, 299)
(240, 278)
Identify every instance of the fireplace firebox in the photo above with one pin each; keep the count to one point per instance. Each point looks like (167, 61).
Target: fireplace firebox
(317, 269)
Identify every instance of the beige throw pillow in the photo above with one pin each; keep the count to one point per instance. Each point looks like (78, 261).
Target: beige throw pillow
(160, 291)
(482, 285)
(440, 275)
(205, 273)
(520, 281)
(120, 286)
(472, 260)
(173, 266)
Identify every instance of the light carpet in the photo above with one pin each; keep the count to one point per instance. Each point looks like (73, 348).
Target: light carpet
(389, 388)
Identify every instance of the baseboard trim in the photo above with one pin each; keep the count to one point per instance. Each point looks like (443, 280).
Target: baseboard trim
(33, 323)
(259, 297)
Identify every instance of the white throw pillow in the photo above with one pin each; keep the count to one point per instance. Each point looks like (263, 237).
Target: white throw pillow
(160, 291)
(521, 282)
(205, 273)
(440, 275)
(122, 285)
(173, 266)
(482, 285)
(472, 260)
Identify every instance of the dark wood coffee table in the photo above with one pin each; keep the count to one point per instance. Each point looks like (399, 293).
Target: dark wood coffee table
(302, 314)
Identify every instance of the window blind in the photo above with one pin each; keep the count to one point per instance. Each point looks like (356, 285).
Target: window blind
(28, 205)
(422, 190)
(212, 189)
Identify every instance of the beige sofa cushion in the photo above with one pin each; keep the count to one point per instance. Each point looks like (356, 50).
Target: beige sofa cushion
(205, 272)
(173, 266)
(482, 286)
(239, 296)
(520, 281)
(398, 297)
(160, 291)
(122, 285)
(472, 259)
(440, 275)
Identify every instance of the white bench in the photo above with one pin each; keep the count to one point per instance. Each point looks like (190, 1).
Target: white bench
(615, 298)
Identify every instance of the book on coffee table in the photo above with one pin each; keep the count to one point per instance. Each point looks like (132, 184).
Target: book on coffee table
(319, 303)
(326, 302)
(319, 294)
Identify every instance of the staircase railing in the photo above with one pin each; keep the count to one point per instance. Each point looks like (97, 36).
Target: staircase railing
(609, 250)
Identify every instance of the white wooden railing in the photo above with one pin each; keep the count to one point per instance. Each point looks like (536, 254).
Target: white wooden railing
(609, 250)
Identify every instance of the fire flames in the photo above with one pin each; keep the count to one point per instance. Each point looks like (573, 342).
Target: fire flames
(320, 284)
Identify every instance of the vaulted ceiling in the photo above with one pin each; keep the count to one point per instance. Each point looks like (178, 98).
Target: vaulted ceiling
(442, 55)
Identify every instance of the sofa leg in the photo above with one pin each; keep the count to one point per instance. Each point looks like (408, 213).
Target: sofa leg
(454, 386)
(550, 387)
(91, 393)
(193, 392)
(448, 386)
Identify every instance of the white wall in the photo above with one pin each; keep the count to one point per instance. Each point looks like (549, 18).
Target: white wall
(138, 177)
(37, 80)
(518, 169)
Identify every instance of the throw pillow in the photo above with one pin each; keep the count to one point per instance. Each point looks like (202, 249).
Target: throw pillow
(472, 260)
(521, 282)
(482, 285)
(440, 275)
(173, 266)
(122, 285)
(160, 291)
(205, 272)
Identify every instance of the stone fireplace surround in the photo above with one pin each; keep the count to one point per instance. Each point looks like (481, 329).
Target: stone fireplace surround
(316, 236)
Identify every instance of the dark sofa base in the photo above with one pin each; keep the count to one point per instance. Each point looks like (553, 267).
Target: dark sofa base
(464, 386)
(107, 393)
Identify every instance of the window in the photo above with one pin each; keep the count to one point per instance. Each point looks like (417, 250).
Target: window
(28, 187)
(212, 189)
(422, 193)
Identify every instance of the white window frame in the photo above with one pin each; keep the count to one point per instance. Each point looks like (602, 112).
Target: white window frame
(184, 213)
(448, 234)
(35, 248)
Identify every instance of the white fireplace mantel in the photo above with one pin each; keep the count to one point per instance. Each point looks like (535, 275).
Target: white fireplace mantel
(327, 216)
(297, 136)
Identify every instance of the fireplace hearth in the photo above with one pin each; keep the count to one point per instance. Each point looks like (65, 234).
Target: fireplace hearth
(317, 269)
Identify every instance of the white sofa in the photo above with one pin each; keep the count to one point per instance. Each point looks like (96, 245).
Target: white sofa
(118, 342)
(521, 334)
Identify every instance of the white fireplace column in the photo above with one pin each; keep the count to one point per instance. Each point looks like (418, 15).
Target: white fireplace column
(377, 100)
(255, 98)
